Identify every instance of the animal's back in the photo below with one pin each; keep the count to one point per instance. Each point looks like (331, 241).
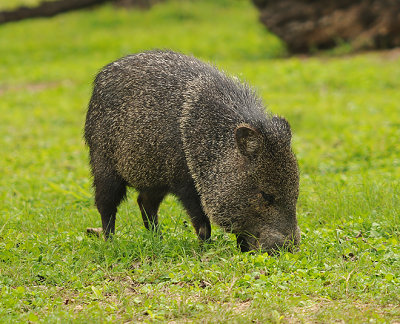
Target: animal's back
(133, 116)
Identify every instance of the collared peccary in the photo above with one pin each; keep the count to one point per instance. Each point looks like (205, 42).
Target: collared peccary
(163, 122)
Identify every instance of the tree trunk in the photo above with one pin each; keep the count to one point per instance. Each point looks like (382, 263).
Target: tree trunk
(306, 25)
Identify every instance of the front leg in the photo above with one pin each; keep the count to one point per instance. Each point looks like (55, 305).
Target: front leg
(191, 201)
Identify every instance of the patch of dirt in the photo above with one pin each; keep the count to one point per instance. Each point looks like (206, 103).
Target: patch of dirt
(390, 55)
(240, 308)
(310, 313)
(95, 231)
(31, 87)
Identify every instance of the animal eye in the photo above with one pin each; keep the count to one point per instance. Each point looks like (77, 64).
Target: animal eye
(268, 198)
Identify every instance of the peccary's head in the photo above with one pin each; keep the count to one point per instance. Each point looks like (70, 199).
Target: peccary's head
(241, 161)
(261, 200)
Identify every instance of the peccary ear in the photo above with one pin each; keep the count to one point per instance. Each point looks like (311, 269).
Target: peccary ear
(248, 140)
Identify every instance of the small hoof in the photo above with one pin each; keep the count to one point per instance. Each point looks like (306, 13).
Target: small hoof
(204, 233)
(94, 231)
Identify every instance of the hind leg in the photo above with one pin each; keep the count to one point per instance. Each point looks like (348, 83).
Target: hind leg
(148, 202)
(110, 190)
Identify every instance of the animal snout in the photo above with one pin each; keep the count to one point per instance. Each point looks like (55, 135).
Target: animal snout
(279, 241)
(270, 241)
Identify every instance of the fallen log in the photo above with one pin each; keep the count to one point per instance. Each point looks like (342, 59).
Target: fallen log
(307, 25)
(46, 9)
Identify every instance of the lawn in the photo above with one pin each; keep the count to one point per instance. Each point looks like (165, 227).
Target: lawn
(345, 116)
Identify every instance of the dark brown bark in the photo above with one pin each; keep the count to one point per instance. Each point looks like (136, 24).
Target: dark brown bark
(46, 9)
(320, 24)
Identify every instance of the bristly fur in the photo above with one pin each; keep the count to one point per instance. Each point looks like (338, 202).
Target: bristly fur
(163, 122)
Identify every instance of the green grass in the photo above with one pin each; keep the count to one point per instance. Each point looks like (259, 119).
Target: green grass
(344, 112)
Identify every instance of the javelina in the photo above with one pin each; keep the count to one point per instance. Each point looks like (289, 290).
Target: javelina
(163, 122)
